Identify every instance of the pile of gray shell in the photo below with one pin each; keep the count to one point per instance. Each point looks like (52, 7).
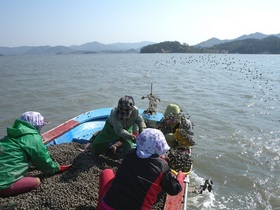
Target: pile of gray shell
(76, 188)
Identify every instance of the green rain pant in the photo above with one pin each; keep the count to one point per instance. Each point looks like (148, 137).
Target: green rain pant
(107, 137)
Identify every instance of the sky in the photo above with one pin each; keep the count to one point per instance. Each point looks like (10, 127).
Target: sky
(76, 22)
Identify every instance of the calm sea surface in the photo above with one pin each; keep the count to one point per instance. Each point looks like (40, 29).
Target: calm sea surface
(233, 101)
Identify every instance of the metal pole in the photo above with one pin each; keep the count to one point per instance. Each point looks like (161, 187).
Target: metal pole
(187, 181)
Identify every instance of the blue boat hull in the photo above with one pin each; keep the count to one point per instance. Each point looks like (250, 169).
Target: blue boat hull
(82, 127)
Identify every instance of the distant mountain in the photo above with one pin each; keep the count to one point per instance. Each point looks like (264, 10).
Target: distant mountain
(214, 41)
(92, 46)
(128, 46)
(87, 48)
(268, 45)
(256, 35)
(209, 43)
(96, 47)
(14, 50)
(58, 50)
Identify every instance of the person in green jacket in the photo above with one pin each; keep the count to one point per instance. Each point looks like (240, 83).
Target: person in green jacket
(21, 148)
(118, 128)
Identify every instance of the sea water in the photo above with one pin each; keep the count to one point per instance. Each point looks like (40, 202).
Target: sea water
(232, 100)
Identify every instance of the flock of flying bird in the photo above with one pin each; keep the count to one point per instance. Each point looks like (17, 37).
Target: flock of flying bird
(262, 79)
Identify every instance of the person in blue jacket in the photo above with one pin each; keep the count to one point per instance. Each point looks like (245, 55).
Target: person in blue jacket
(21, 148)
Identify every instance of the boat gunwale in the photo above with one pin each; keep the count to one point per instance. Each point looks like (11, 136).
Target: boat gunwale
(99, 114)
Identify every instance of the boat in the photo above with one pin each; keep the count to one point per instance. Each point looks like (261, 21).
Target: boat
(81, 128)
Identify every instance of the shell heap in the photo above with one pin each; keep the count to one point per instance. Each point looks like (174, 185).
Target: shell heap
(184, 133)
(167, 122)
(179, 159)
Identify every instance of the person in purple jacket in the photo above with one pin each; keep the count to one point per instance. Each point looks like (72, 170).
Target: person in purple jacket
(140, 177)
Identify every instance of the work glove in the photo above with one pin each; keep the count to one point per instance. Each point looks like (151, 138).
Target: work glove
(64, 167)
(135, 133)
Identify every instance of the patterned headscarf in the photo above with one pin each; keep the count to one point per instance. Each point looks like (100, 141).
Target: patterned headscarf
(151, 141)
(34, 118)
(125, 107)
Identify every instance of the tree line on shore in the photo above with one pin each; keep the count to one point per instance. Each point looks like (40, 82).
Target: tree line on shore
(268, 45)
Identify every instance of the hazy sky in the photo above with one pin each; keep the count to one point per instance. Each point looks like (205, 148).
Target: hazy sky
(75, 22)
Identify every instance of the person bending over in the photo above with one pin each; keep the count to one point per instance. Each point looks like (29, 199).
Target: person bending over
(142, 174)
(118, 128)
(21, 148)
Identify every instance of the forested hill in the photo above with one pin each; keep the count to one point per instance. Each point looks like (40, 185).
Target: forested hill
(167, 47)
(268, 45)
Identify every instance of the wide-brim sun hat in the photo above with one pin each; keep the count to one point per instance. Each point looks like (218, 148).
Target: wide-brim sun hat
(150, 142)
